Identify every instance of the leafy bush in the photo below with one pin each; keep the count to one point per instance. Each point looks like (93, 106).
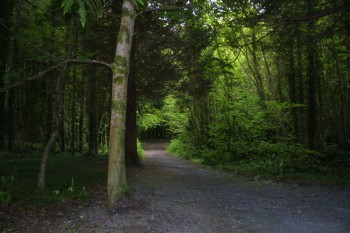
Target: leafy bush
(286, 157)
(7, 182)
(274, 160)
(19, 177)
(5, 198)
(179, 148)
(139, 149)
(212, 157)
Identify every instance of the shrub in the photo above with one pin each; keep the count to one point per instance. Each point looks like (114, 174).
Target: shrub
(139, 149)
(5, 198)
(182, 149)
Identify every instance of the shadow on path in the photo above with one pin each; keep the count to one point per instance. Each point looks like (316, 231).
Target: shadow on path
(175, 195)
(200, 199)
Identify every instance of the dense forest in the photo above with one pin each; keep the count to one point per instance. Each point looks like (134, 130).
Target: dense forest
(255, 86)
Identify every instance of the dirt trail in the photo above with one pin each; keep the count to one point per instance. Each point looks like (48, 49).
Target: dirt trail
(174, 195)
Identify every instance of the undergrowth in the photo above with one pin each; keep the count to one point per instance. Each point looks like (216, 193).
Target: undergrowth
(140, 151)
(66, 177)
(279, 161)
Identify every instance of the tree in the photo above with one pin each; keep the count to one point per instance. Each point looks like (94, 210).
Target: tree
(120, 70)
(5, 18)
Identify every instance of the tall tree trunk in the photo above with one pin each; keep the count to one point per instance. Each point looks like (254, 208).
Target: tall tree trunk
(11, 119)
(11, 116)
(131, 156)
(5, 17)
(348, 96)
(257, 73)
(73, 111)
(93, 129)
(347, 44)
(74, 92)
(120, 69)
(342, 90)
(63, 138)
(49, 88)
(279, 79)
(312, 121)
(81, 115)
(299, 74)
(293, 90)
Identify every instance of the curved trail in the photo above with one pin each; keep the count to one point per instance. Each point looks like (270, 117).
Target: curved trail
(199, 199)
(175, 195)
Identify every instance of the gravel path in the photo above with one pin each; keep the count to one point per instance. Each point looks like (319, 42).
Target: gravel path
(174, 195)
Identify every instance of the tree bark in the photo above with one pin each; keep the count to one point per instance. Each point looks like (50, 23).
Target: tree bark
(81, 115)
(93, 129)
(56, 126)
(300, 95)
(293, 89)
(131, 156)
(11, 114)
(5, 17)
(73, 112)
(312, 121)
(257, 74)
(120, 70)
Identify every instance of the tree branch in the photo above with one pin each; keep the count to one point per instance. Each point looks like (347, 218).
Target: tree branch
(170, 8)
(95, 62)
(40, 74)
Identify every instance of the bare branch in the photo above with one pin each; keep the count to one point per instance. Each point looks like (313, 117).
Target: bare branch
(96, 62)
(40, 74)
(170, 8)
(37, 76)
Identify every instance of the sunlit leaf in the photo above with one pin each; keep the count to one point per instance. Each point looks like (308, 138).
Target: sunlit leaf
(67, 6)
(82, 13)
(140, 2)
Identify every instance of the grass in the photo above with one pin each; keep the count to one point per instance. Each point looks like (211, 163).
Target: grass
(66, 177)
(323, 175)
(280, 162)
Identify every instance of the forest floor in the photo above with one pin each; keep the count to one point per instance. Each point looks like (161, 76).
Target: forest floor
(175, 195)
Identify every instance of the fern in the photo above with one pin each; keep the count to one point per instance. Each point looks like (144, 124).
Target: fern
(93, 7)
(82, 12)
(67, 6)
(140, 2)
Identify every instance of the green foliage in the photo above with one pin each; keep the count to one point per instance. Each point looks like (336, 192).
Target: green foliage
(7, 184)
(285, 158)
(150, 120)
(139, 2)
(174, 118)
(168, 115)
(280, 160)
(67, 6)
(67, 177)
(181, 149)
(82, 12)
(5, 198)
(140, 152)
(84, 6)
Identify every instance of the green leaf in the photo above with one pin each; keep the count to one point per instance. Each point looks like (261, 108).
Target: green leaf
(94, 6)
(140, 2)
(82, 13)
(67, 6)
